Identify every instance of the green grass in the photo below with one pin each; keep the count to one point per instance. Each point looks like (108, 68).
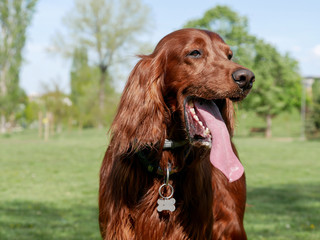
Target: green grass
(283, 188)
(48, 190)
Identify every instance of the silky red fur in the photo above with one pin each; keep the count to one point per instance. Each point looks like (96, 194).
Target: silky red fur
(151, 110)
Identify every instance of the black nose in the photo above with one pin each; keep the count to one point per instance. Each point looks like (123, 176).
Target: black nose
(244, 78)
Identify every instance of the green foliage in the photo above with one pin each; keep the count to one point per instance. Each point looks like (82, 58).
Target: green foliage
(316, 104)
(31, 111)
(15, 17)
(103, 27)
(278, 87)
(55, 101)
(84, 89)
(106, 30)
(228, 23)
(313, 118)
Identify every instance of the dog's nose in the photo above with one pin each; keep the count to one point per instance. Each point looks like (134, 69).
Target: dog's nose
(244, 78)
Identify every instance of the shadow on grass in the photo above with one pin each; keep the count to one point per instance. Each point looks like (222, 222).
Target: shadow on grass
(284, 212)
(30, 220)
(280, 212)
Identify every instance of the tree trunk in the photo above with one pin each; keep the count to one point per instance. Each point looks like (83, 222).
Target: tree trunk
(3, 78)
(3, 124)
(3, 93)
(59, 128)
(11, 123)
(40, 122)
(51, 120)
(80, 126)
(269, 124)
(102, 85)
(46, 127)
(102, 89)
(70, 120)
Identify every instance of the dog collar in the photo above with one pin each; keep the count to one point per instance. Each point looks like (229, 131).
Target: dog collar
(170, 144)
(152, 166)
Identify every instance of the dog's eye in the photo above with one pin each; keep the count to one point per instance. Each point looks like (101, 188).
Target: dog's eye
(230, 55)
(194, 54)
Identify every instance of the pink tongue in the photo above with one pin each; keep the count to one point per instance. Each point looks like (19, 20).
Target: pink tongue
(221, 155)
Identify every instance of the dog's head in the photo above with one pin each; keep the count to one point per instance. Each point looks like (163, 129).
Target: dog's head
(190, 71)
(198, 69)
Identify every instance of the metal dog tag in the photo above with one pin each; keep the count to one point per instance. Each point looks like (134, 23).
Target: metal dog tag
(166, 203)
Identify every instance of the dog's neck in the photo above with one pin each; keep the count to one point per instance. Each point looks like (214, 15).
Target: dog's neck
(149, 159)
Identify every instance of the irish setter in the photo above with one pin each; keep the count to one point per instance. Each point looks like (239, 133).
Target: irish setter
(171, 170)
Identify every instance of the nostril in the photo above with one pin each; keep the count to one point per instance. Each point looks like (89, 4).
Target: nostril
(241, 82)
(243, 78)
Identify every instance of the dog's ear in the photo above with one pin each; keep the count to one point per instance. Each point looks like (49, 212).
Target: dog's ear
(142, 112)
(228, 115)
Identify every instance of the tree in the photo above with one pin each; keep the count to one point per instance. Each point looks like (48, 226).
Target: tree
(84, 86)
(31, 111)
(105, 29)
(313, 123)
(83, 81)
(57, 105)
(277, 88)
(15, 17)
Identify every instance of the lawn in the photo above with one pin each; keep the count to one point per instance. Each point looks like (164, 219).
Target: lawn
(283, 188)
(48, 190)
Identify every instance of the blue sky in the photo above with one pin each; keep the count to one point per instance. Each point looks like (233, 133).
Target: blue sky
(292, 26)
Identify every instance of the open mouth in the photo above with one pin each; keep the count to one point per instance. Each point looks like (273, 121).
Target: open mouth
(199, 115)
(205, 125)
(197, 128)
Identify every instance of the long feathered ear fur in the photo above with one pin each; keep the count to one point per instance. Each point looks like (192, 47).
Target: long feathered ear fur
(228, 115)
(142, 113)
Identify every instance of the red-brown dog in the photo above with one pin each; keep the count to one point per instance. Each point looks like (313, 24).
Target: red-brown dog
(171, 170)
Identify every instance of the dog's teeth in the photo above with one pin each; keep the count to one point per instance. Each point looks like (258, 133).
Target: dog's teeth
(201, 124)
(192, 111)
(191, 105)
(207, 131)
(196, 117)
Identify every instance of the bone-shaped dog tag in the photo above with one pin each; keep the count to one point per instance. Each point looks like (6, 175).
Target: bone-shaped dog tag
(166, 204)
